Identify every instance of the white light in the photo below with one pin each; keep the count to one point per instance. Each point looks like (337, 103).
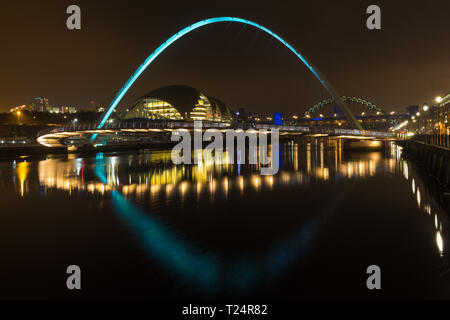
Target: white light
(425, 108)
(401, 125)
(418, 197)
(439, 242)
(439, 99)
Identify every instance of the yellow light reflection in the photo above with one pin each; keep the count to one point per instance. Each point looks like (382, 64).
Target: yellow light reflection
(22, 169)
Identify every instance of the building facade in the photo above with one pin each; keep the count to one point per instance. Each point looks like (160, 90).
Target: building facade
(179, 103)
(40, 104)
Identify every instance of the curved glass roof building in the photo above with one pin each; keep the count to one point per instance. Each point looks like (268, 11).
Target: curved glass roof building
(179, 103)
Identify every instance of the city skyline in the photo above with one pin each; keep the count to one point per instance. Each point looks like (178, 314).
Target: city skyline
(103, 52)
(236, 158)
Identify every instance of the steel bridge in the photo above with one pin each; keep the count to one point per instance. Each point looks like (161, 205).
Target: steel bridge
(302, 58)
(59, 136)
(64, 136)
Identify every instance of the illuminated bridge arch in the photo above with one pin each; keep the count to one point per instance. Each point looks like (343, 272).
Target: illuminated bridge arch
(368, 105)
(341, 104)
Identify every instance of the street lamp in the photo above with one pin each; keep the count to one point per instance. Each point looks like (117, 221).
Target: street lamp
(438, 100)
(425, 108)
(418, 122)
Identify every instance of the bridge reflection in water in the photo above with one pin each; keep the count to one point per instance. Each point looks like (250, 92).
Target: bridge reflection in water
(141, 185)
(154, 175)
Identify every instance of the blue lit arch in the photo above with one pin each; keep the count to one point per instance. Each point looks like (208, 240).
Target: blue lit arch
(205, 22)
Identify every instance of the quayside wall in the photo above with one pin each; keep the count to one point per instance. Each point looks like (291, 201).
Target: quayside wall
(435, 160)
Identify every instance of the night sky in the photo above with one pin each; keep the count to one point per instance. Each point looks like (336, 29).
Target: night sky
(407, 62)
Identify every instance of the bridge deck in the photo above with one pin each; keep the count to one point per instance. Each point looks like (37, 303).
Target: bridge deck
(54, 137)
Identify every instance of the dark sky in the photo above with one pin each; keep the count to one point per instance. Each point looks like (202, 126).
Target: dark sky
(407, 62)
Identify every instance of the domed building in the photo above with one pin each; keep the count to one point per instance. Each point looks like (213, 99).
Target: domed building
(179, 103)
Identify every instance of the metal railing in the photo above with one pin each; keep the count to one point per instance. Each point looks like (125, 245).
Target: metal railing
(120, 125)
(123, 125)
(440, 140)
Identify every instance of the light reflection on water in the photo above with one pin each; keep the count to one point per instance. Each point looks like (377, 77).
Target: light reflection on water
(150, 180)
(154, 175)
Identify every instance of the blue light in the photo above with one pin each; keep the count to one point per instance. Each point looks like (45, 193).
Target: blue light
(206, 270)
(277, 119)
(181, 33)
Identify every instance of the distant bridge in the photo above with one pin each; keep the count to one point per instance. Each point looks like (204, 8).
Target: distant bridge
(364, 103)
(62, 136)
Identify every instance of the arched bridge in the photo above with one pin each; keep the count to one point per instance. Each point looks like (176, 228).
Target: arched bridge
(58, 137)
(324, 82)
(368, 113)
(363, 103)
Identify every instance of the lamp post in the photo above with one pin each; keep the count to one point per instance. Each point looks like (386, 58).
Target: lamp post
(425, 109)
(418, 122)
(18, 122)
(438, 100)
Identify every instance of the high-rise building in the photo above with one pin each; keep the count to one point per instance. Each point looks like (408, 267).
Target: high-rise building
(40, 104)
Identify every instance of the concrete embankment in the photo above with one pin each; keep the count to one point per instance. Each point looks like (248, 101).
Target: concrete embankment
(434, 159)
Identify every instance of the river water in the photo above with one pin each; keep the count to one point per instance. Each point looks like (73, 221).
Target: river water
(140, 227)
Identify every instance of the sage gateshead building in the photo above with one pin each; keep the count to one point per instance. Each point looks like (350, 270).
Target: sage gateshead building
(179, 103)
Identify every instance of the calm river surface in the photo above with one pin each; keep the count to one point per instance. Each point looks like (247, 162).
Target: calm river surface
(140, 227)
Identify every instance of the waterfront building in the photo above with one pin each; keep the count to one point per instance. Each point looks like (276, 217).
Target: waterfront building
(179, 103)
